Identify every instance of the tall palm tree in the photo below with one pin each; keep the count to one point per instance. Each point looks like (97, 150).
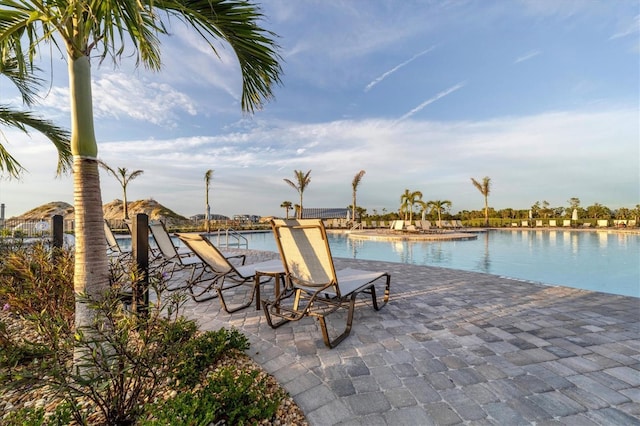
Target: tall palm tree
(207, 215)
(301, 183)
(354, 184)
(484, 188)
(407, 200)
(124, 177)
(102, 29)
(439, 206)
(286, 205)
(22, 120)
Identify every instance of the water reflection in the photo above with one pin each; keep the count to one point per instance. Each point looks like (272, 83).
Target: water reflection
(603, 237)
(484, 262)
(590, 260)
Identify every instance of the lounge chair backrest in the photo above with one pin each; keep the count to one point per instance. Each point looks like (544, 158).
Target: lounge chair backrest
(163, 240)
(398, 225)
(305, 252)
(112, 242)
(207, 252)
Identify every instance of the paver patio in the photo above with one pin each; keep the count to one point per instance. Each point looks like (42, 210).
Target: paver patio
(455, 347)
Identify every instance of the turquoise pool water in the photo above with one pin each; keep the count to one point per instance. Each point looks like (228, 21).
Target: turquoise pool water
(600, 261)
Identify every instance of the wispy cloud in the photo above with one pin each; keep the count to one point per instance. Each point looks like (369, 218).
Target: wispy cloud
(396, 68)
(527, 56)
(153, 102)
(633, 28)
(430, 101)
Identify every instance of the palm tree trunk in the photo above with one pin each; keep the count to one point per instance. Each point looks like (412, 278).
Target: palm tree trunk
(486, 211)
(91, 276)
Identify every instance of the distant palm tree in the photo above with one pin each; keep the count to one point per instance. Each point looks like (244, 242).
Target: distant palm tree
(207, 180)
(124, 177)
(439, 206)
(286, 205)
(302, 181)
(354, 184)
(407, 201)
(484, 188)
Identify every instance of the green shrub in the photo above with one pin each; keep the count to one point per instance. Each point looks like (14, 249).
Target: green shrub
(229, 397)
(119, 363)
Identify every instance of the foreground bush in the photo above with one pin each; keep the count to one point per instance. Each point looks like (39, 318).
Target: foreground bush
(126, 363)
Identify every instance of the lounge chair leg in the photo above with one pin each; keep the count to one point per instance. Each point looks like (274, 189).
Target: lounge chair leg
(323, 326)
(265, 307)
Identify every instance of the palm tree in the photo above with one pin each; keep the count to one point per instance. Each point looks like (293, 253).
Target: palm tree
(207, 215)
(124, 177)
(439, 206)
(484, 188)
(302, 181)
(102, 29)
(26, 85)
(407, 201)
(286, 205)
(354, 184)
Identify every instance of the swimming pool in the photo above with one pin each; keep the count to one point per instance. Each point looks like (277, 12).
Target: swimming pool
(600, 261)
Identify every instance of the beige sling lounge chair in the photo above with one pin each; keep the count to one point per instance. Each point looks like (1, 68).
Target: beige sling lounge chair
(313, 286)
(219, 270)
(173, 258)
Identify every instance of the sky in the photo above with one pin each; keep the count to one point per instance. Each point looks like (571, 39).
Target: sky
(542, 96)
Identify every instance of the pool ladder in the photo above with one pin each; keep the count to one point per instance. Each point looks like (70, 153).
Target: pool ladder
(229, 237)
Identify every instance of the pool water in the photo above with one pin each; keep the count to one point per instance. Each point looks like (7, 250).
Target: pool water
(599, 261)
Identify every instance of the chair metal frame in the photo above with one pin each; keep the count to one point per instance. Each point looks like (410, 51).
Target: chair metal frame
(313, 286)
(220, 270)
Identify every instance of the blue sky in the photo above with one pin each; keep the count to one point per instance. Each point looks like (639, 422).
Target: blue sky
(542, 96)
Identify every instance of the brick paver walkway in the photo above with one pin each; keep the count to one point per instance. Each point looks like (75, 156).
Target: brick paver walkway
(455, 347)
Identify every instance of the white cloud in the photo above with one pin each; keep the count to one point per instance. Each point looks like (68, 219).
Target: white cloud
(527, 56)
(118, 95)
(551, 156)
(430, 101)
(396, 68)
(629, 29)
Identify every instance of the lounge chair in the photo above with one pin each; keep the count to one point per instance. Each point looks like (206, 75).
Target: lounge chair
(552, 222)
(313, 286)
(539, 224)
(524, 224)
(425, 226)
(218, 270)
(602, 223)
(114, 251)
(397, 225)
(566, 223)
(179, 258)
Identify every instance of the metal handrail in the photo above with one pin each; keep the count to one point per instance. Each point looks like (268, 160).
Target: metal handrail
(238, 240)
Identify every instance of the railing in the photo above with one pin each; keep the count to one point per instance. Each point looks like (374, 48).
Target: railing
(28, 228)
(356, 226)
(229, 237)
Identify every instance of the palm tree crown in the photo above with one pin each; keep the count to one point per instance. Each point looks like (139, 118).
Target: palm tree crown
(439, 206)
(407, 200)
(301, 183)
(286, 205)
(124, 177)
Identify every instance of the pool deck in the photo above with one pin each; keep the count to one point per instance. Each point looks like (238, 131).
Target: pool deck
(454, 347)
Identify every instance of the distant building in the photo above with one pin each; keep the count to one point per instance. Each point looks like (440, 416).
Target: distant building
(246, 218)
(325, 213)
(212, 216)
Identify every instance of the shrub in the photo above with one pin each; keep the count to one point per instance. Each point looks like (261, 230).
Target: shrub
(118, 364)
